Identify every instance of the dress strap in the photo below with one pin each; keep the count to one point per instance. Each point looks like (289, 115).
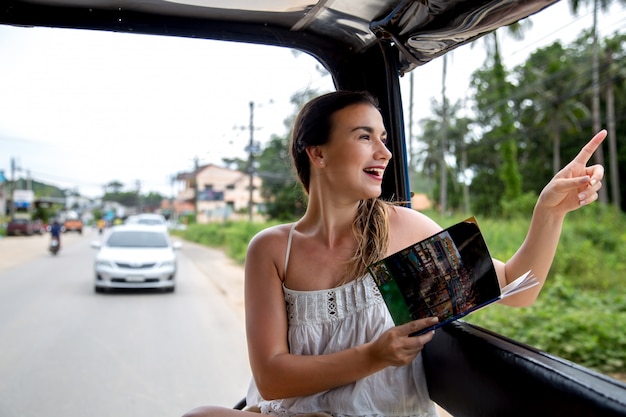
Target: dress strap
(293, 227)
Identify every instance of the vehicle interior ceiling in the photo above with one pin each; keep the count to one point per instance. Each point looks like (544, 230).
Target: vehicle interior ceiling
(364, 45)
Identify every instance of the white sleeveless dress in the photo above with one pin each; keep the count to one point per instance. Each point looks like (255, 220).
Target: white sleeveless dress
(326, 321)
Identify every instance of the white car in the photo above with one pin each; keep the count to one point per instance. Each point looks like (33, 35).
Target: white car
(136, 256)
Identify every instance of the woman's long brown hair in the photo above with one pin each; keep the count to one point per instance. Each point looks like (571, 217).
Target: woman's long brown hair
(371, 223)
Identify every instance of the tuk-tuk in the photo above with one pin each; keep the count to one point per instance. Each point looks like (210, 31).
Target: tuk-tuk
(369, 45)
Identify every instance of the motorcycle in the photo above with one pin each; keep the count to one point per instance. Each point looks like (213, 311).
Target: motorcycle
(55, 245)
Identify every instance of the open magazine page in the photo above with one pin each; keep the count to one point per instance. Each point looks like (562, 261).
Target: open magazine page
(447, 275)
(524, 282)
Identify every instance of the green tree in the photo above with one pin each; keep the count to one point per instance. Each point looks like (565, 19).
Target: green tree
(152, 201)
(281, 189)
(449, 175)
(598, 5)
(613, 55)
(494, 114)
(125, 198)
(552, 91)
(238, 164)
(113, 187)
(284, 196)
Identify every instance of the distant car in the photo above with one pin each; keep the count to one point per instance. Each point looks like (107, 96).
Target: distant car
(136, 256)
(73, 225)
(18, 227)
(151, 219)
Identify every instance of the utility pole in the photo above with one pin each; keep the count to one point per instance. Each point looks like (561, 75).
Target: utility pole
(196, 161)
(173, 215)
(138, 185)
(12, 190)
(252, 148)
(251, 162)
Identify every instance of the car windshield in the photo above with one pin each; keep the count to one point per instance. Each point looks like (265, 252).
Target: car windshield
(150, 221)
(137, 239)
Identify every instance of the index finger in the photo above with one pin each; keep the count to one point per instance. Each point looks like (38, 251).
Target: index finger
(585, 153)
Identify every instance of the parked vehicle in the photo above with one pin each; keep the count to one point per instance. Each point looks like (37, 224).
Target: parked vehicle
(136, 256)
(38, 227)
(17, 227)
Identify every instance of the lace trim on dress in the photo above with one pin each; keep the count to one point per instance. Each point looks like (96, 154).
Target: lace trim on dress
(273, 408)
(314, 307)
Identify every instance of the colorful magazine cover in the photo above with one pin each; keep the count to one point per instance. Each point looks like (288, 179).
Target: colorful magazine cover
(447, 275)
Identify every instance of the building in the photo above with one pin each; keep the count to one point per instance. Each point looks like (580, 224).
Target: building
(221, 194)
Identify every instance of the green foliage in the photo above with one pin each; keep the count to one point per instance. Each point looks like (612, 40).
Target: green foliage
(39, 188)
(581, 326)
(281, 188)
(151, 201)
(233, 237)
(529, 122)
(126, 198)
(285, 199)
(582, 309)
(522, 206)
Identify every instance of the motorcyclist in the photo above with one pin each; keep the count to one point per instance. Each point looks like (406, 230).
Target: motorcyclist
(55, 232)
(100, 226)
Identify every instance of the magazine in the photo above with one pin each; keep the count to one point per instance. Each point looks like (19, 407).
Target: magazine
(447, 275)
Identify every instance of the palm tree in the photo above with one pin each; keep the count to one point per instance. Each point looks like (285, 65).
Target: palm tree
(509, 172)
(553, 85)
(595, 74)
(442, 149)
(613, 56)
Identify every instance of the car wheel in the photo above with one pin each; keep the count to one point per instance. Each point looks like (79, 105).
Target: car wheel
(99, 290)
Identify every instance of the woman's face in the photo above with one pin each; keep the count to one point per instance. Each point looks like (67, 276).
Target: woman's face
(355, 156)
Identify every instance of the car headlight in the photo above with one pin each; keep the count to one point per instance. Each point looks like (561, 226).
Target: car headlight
(168, 264)
(103, 263)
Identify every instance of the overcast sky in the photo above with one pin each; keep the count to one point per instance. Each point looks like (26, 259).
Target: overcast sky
(79, 109)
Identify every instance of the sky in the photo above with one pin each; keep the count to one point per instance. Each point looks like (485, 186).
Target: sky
(80, 109)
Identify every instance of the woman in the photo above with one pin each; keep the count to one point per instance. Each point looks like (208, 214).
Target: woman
(320, 338)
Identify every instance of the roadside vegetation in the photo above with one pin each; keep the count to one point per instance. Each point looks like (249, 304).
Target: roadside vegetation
(582, 309)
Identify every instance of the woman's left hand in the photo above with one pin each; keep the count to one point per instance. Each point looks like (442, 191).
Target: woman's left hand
(576, 184)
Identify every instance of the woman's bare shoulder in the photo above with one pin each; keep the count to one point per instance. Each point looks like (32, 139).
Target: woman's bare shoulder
(271, 238)
(265, 257)
(408, 226)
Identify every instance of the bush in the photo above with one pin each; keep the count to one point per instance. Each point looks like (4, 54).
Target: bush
(580, 326)
(233, 237)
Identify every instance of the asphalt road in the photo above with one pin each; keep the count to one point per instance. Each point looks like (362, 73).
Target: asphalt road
(67, 351)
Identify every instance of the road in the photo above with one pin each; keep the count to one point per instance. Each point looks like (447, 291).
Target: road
(67, 351)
